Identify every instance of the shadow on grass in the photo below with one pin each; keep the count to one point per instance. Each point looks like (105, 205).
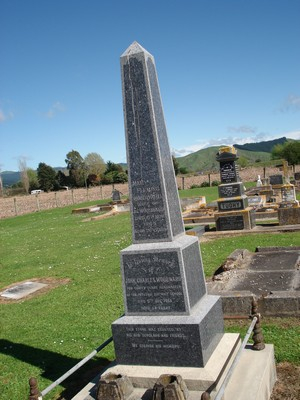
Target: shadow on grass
(54, 365)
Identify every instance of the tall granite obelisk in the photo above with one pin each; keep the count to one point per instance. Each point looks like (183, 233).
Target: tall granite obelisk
(169, 318)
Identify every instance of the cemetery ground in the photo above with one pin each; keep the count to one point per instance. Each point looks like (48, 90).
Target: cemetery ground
(48, 332)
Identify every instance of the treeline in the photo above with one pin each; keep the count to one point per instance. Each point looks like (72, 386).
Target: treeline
(79, 172)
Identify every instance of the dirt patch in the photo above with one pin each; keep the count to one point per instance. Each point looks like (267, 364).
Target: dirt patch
(50, 282)
(288, 382)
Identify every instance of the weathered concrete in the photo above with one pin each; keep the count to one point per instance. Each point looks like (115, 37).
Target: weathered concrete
(253, 377)
(272, 276)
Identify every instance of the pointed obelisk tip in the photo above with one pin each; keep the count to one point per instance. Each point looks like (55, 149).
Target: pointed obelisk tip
(134, 48)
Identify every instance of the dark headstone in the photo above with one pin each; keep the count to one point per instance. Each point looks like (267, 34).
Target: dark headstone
(231, 190)
(297, 176)
(229, 172)
(230, 223)
(276, 180)
(116, 195)
(169, 318)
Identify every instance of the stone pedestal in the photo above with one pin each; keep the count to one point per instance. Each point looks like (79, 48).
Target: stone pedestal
(289, 215)
(235, 220)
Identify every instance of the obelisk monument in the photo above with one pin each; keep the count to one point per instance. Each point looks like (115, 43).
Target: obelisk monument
(169, 320)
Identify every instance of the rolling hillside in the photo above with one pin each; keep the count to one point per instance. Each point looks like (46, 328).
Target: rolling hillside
(205, 160)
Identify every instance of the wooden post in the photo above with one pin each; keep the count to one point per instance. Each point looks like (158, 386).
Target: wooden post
(55, 196)
(34, 390)
(73, 200)
(257, 337)
(15, 206)
(101, 192)
(264, 172)
(209, 180)
(182, 180)
(37, 202)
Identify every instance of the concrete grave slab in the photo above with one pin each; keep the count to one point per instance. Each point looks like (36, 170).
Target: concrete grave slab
(272, 276)
(22, 290)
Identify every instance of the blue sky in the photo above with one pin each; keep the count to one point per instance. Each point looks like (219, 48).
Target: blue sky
(228, 71)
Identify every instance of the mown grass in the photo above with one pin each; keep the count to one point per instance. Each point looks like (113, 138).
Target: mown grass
(47, 334)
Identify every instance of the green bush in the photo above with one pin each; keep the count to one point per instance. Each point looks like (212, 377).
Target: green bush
(194, 186)
(215, 183)
(205, 184)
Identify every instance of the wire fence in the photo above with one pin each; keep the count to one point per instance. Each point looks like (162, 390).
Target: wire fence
(24, 204)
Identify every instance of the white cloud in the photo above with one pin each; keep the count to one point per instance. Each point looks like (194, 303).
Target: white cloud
(5, 117)
(55, 109)
(290, 104)
(241, 129)
(229, 140)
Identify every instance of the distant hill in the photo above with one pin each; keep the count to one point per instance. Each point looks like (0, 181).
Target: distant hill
(204, 160)
(261, 146)
(11, 177)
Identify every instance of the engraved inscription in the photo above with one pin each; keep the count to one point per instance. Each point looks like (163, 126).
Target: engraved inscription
(233, 190)
(149, 218)
(228, 172)
(231, 205)
(233, 222)
(155, 337)
(153, 283)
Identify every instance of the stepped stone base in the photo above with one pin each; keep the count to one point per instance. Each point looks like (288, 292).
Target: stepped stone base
(177, 340)
(253, 377)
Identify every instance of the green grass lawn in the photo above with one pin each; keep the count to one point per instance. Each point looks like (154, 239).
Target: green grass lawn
(47, 334)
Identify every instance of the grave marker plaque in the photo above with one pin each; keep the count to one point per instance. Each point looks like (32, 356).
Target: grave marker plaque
(276, 180)
(230, 223)
(231, 190)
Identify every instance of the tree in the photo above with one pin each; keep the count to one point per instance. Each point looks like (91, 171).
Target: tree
(111, 166)
(114, 174)
(33, 179)
(46, 177)
(23, 172)
(95, 164)
(289, 151)
(62, 179)
(75, 165)
(175, 165)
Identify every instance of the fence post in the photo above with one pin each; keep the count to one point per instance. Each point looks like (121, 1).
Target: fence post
(209, 180)
(55, 196)
(258, 338)
(37, 202)
(33, 389)
(101, 193)
(15, 206)
(87, 194)
(72, 191)
(182, 180)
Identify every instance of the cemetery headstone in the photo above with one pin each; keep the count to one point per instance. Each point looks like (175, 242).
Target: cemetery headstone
(234, 212)
(169, 320)
(116, 195)
(276, 179)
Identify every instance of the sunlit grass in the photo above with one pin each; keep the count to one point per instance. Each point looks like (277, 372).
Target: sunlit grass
(47, 334)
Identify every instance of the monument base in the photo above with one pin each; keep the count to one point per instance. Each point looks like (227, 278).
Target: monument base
(253, 366)
(175, 340)
(289, 216)
(235, 220)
